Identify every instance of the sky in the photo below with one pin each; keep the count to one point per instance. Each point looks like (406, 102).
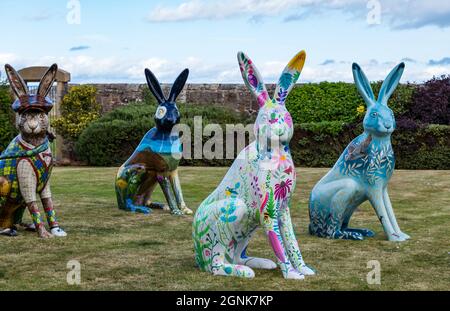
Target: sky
(105, 41)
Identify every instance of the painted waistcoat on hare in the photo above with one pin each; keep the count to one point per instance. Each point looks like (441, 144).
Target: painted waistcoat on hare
(256, 191)
(362, 172)
(155, 160)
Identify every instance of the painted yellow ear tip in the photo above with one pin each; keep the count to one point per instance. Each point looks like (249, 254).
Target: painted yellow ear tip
(298, 61)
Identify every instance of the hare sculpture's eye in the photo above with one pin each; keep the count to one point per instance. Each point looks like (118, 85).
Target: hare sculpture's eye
(161, 112)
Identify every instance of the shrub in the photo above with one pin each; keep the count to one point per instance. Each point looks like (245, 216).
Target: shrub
(324, 102)
(111, 139)
(401, 99)
(327, 116)
(431, 102)
(425, 147)
(7, 128)
(78, 108)
(321, 146)
(329, 101)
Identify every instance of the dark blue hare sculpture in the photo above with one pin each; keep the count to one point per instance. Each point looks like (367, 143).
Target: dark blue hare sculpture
(362, 172)
(155, 160)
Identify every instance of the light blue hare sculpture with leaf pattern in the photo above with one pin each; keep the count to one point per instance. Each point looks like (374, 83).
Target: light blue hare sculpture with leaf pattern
(362, 172)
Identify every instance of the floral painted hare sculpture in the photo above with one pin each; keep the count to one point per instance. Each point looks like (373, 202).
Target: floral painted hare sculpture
(26, 164)
(156, 158)
(256, 191)
(362, 172)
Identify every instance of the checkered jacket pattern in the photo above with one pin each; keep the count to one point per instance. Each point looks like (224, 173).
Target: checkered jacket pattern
(9, 160)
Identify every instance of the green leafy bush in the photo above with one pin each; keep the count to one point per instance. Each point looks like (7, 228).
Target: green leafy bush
(339, 101)
(420, 148)
(78, 108)
(7, 128)
(424, 148)
(111, 139)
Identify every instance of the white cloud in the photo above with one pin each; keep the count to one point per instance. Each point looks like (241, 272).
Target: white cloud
(436, 71)
(406, 14)
(6, 58)
(400, 14)
(201, 9)
(88, 69)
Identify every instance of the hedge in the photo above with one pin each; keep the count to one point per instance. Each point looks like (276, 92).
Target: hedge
(327, 116)
(425, 147)
(330, 101)
(111, 139)
(7, 128)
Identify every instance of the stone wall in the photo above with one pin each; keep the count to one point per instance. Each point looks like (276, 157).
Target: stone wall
(235, 96)
(111, 96)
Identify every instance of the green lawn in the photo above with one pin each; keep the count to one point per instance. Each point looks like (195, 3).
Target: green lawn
(124, 251)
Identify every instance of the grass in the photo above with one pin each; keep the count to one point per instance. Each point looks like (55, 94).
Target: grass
(124, 251)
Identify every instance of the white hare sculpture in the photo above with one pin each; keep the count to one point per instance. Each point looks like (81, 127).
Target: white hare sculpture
(256, 191)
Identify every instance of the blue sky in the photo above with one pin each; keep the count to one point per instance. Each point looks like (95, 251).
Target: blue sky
(116, 40)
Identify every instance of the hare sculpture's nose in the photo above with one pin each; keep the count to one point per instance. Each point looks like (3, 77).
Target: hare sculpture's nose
(32, 124)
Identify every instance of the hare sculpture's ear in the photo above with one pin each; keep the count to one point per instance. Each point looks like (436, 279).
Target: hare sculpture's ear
(363, 85)
(47, 81)
(390, 84)
(178, 85)
(289, 77)
(154, 86)
(15, 80)
(253, 79)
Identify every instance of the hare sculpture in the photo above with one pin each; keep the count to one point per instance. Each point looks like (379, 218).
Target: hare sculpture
(26, 164)
(256, 191)
(362, 172)
(156, 158)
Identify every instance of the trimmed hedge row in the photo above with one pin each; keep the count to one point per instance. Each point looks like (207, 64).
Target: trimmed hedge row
(111, 139)
(425, 147)
(339, 101)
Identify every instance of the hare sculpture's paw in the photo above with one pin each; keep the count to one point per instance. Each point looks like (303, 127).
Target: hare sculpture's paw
(258, 263)
(234, 270)
(363, 231)
(177, 212)
(395, 237)
(157, 205)
(294, 274)
(8, 232)
(348, 235)
(137, 208)
(186, 210)
(404, 235)
(304, 269)
(58, 232)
